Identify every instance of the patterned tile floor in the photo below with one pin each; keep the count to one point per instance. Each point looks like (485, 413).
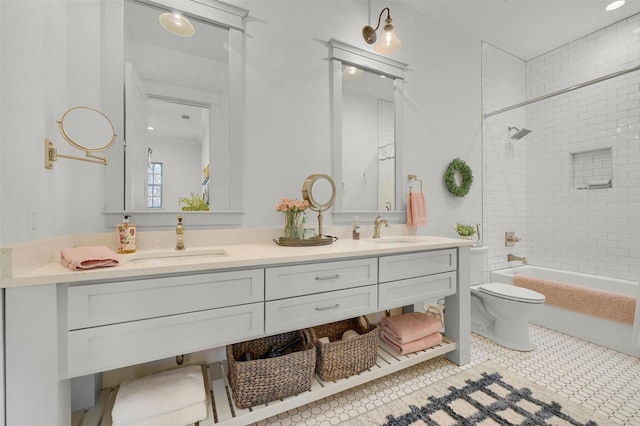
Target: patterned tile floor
(599, 379)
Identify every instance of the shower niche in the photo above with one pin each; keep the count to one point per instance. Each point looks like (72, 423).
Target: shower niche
(592, 169)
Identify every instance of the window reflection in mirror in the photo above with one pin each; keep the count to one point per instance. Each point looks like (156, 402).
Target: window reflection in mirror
(178, 137)
(368, 158)
(367, 110)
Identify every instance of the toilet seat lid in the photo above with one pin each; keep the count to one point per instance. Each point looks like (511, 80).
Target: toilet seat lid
(512, 292)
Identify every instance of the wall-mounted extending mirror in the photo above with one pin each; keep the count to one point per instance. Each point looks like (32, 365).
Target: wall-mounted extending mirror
(367, 104)
(184, 102)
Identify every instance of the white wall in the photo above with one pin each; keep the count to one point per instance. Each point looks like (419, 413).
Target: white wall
(53, 66)
(288, 123)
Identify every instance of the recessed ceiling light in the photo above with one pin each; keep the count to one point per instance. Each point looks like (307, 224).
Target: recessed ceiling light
(149, 128)
(614, 5)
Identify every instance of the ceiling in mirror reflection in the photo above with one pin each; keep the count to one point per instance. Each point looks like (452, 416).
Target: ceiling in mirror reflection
(173, 120)
(142, 24)
(367, 83)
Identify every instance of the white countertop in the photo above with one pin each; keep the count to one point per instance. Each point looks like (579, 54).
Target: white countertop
(244, 255)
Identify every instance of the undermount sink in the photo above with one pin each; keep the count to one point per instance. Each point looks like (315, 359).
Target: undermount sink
(164, 256)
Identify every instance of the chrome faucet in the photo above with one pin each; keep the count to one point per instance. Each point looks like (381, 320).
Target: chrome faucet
(376, 226)
(179, 234)
(511, 258)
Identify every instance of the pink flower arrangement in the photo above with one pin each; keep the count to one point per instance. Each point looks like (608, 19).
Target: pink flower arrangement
(289, 205)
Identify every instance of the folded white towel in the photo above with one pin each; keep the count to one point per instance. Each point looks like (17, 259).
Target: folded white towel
(158, 394)
(184, 416)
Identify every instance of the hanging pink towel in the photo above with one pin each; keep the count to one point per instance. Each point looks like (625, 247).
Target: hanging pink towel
(88, 257)
(416, 210)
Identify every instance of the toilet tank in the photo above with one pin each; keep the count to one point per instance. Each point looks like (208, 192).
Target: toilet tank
(478, 265)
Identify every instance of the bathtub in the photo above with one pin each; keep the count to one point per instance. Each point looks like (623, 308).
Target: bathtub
(620, 337)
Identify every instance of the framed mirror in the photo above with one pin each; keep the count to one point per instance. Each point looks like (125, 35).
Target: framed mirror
(183, 110)
(367, 110)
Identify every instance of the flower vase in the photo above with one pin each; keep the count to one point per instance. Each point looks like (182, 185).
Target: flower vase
(292, 225)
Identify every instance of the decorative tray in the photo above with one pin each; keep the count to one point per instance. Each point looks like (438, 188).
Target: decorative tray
(315, 241)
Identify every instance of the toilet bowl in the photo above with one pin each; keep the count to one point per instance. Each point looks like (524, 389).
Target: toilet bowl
(501, 312)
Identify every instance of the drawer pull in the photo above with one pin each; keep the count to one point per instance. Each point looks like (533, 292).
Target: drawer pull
(326, 308)
(331, 277)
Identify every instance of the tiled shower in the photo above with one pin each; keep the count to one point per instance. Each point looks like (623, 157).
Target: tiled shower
(571, 188)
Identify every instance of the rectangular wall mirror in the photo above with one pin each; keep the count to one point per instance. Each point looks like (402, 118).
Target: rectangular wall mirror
(183, 112)
(367, 100)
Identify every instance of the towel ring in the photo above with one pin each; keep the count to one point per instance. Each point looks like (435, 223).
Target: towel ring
(415, 178)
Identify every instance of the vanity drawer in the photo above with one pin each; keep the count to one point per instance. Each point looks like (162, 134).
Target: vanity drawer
(299, 280)
(407, 292)
(91, 305)
(398, 267)
(305, 311)
(103, 348)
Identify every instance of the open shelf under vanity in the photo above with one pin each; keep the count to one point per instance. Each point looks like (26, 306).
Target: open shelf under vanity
(222, 410)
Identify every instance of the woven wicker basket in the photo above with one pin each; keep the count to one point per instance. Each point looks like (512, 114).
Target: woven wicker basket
(263, 380)
(343, 358)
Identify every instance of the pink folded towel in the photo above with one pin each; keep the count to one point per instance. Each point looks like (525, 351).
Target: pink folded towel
(409, 327)
(88, 257)
(414, 346)
(416, 210)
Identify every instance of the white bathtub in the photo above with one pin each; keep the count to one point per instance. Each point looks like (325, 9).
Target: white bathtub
(620, 337)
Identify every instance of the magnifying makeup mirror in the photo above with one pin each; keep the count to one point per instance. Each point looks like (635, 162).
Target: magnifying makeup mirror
(320, 191)
(86, 129)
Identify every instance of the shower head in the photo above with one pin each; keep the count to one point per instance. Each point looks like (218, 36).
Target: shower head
(519, 134)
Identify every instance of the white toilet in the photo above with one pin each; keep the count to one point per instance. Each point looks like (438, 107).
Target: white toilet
(501, 312)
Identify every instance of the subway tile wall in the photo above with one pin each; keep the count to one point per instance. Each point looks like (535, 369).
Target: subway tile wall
(592, 231)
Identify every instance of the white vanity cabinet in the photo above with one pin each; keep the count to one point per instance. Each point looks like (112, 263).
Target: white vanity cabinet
(305, 295)
(74, 330)
(406, 278)
(111, 325)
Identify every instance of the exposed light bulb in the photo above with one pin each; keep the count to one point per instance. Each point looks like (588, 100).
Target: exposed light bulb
(389, 41)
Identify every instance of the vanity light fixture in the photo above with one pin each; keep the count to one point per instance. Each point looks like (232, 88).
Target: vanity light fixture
(389, 41)
(177, 24)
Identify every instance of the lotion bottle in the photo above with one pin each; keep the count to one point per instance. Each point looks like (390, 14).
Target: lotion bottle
(356, 229)
(126, 236)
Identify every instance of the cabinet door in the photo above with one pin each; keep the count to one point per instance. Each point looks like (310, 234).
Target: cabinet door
(407, 292)
(299, 280)
(401, 266)
(305, 311)
(103, 348)
(91, 305)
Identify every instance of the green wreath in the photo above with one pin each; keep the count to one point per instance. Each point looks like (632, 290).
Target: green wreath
(457, 165)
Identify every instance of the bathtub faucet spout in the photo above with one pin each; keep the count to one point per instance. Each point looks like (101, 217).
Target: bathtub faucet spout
(511, 258)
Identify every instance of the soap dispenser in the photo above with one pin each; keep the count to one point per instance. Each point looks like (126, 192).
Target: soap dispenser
(126, 236)
(356, 229)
